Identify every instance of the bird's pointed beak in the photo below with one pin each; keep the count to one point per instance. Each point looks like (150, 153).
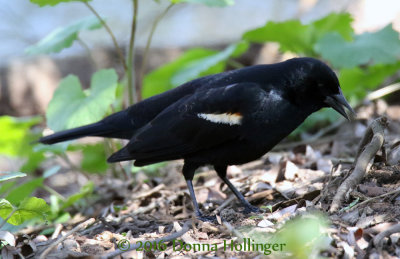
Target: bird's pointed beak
(339, 102)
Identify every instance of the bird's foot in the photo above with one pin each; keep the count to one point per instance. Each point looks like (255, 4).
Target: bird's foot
(212, 219)
(249, 208)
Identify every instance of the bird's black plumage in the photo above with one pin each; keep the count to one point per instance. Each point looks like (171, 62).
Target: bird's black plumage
(224, 119)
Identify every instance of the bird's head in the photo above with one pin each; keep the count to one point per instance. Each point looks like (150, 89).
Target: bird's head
(320, 86)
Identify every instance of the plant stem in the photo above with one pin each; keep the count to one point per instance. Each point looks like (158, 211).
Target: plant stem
(130, 72)
(89, 53)
(103, 22)
(8, 217)
(148, 43)
(54, 192)
(233, 63)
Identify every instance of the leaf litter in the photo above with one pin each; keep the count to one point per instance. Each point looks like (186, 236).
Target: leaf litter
(288, 184)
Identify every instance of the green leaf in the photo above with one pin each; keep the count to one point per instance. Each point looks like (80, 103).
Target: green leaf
(303, 236)
(54, 2)
(94, 158)
(334, 22)
(355, 82)
(28, 209)
(5, 209)
(16, 138)
(85, 191)
(63, 37)
(33, 161)
(159, 80)
(318, 119)
(197, 68)
(192, 64)
(291, 35)
(296, 37)
(5, 187)
(148, 169)
(381, 47)
(71, 106)
(15, 135)
(24, 190)
(212, 3)
(10, 175)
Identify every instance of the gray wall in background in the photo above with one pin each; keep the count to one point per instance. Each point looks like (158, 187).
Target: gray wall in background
(23, 23)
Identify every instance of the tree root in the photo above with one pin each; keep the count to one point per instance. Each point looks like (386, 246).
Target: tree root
(369, 146)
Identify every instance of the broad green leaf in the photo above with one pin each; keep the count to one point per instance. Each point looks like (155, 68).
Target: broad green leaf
(28, 209)
(334, 22)
(24, 190)
(63, 218)
(63, 37)
(85, 191)
(356, 81)
(94, 158)
(71, 106)
(217, 3)
(5, 187)
(148, 169)
(5, 208)
(291, 35)
(16, 138)
(33, 160)
(303, 236)
(296, 37)
(196, 68)
(10, 175)
(159, 80)
(54, 2)
(318, 119)
(15, 135)
(381, 47)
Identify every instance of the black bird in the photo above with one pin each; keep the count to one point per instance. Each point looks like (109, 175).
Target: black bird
(224, 119)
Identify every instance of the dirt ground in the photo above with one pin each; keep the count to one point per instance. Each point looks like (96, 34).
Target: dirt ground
(295, 180)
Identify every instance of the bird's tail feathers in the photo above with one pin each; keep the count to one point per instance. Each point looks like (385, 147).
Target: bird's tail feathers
(98, 129)
(121, 155)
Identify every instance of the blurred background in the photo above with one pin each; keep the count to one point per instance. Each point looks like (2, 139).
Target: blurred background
(66, 63)
(27, 82)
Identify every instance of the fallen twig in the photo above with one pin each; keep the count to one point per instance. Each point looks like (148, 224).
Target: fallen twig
(369, 146)
(57, 231)
(397, 191)
(61, 239)
(150, 192)
(378, 239)
(383, 91)
(169, 238)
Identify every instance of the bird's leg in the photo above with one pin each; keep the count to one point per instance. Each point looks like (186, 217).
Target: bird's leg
(188, 173)
(221, 171)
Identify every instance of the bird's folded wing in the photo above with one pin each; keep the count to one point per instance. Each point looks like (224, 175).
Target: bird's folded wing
(197, 122)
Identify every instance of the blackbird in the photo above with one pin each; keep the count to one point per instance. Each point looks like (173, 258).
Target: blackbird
(224, 119)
